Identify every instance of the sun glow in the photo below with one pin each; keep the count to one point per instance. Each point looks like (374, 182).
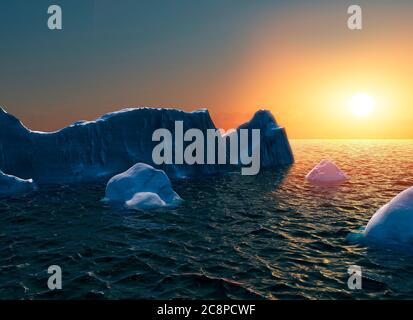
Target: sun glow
(361, 105)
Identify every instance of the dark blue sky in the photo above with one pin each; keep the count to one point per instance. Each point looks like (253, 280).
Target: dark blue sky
(116, 53)
(230, 56)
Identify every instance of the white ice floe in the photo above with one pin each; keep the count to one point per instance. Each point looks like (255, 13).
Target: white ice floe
(11, 185)
(142, 187)
(326, 172)
(146, 201)
(393, 223)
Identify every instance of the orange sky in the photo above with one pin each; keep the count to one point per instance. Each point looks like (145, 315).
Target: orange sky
(297, 59)
(307, 65)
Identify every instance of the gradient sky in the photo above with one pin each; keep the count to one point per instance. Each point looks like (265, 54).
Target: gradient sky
(296, 58)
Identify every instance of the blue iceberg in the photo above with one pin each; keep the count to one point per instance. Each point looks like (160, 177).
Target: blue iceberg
(142, 187)
(97, 150)
(392, 224)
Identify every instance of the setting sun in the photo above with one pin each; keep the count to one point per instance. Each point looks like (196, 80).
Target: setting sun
(361, 104)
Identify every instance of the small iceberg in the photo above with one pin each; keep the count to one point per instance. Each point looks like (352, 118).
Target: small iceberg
(325, 173)
(142, 187)
(393, 223)
(11, 185)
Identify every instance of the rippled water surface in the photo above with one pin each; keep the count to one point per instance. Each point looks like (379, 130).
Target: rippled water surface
(270, 236)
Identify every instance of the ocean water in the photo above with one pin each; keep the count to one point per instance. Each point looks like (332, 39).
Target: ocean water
(270, 236)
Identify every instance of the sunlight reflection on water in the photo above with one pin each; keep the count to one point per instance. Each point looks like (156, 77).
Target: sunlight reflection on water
(266, 236)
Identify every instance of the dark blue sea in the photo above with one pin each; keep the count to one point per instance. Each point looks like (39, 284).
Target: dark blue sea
(270, 236)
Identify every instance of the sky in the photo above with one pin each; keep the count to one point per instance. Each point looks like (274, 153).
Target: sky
(295, 58)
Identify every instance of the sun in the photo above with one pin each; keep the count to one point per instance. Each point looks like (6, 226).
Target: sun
(361, 104)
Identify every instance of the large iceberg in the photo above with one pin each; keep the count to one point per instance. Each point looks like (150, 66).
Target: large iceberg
(393, 223)
(142, 187)
(11, 185)
(99, 149)
(325, 173)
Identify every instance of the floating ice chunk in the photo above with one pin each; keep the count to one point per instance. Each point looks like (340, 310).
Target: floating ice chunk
(145, 201)
(11, 185)
(326, 172)
(142, 187)
(393, 223)
(275, 150)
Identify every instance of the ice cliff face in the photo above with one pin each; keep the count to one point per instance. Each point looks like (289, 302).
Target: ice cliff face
(92, 150)
(275, 148)
(11, 185)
